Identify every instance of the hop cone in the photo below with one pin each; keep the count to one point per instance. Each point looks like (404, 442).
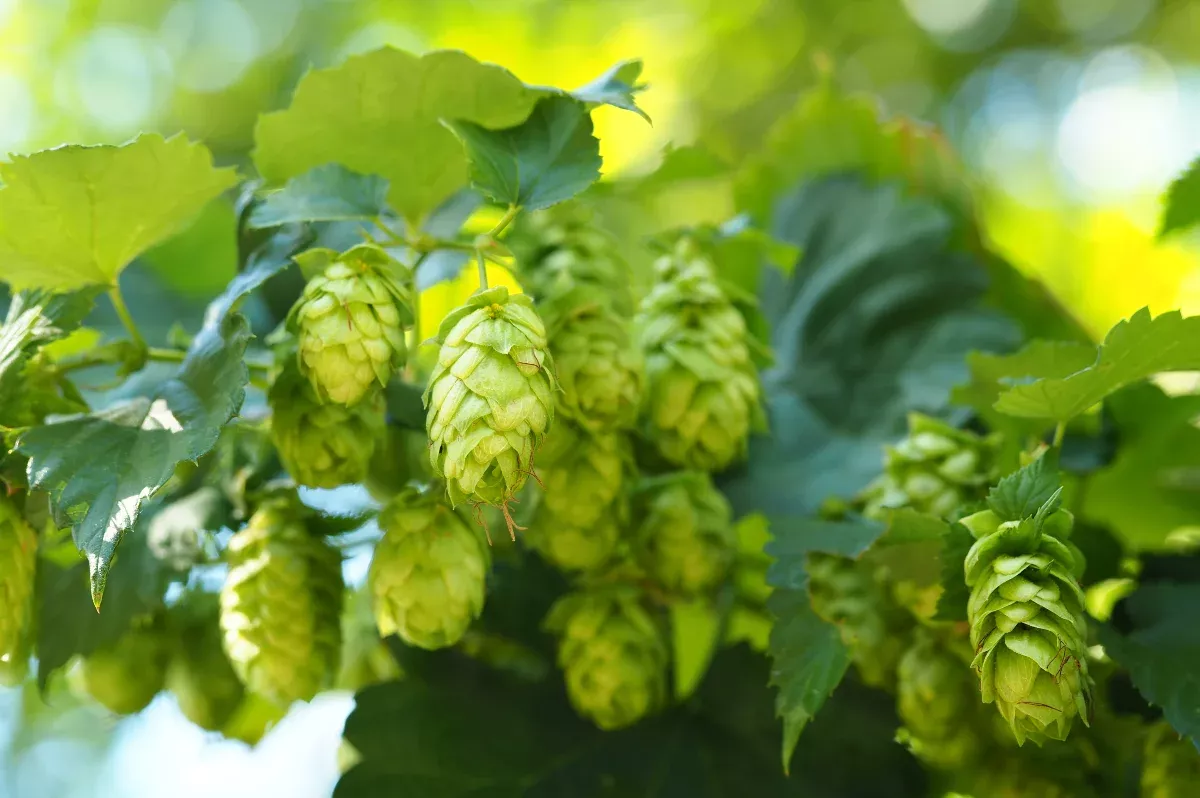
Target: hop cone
(703, 388)
(612, 655)
(429, 571)
(349, 323)
(934, 470)
(577, 524)
(936, 698)
(686, 539)
(1027, 622)
(1170, 765)
(323, 445)
(125, 676)
(490, 399)
(281, 605)
(18, 565)
(200, 675)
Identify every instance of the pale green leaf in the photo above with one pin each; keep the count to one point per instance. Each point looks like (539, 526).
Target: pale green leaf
(36, 318)
(617, 87)
(695, 631)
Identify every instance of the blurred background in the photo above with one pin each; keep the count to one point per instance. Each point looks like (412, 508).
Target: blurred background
(1071, 115)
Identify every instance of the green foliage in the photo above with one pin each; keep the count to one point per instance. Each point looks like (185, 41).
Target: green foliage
(1182, 204)
(1028, 490)
(617, 87)
(324, 193)
(35, 319)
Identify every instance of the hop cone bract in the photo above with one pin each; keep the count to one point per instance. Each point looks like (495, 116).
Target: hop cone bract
(935, 698)
(934, 470)
(703, 387)
(685, 539)
(1170, 764)
(350, 321)
(125, 676)
(200, 675)
(323, 445)
(1027, 623)
(281, 604)
(18, 566)
(490, 399)
(612, 655)
(429, 571)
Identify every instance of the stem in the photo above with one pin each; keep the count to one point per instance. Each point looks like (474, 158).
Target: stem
(165, 355)
(118, 302)
(505, 221)
(1059, 433)
(483, 283)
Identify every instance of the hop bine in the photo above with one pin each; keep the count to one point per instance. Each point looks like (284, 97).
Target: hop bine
(18, 566)
(349, 323)
(429, 571)
(686, 539)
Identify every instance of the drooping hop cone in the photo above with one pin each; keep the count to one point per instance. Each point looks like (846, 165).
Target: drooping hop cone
(581, 512)
(124, 677)
(685, 540)
(429, 571)
(490, 399)
(935, 469)
(935, 699)
(323, 445)
(612, 655)
(704, 394)
(1170, 764)
(1028, 627)
(18, 566)
(200, 675)
(281, 605)
(349, 323)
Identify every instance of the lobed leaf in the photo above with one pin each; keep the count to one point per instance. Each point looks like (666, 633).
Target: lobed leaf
(1026, 491)
(617, 87)
(36, 318)
(325, 193)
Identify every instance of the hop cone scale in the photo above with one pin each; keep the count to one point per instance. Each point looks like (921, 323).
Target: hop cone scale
(124, 677)
(686, 538)
(1027, 622)
(612, 655)
(429, 571)
(281, 605)
(349, 322)
(18, 565)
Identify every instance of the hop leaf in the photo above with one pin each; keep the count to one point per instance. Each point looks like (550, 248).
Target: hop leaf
(612, 654)
(350, 321)
(428, 573)
(490, 398)
(124, 677)
(18, 565)
(686, 539)
(200, 675)
(281, 604)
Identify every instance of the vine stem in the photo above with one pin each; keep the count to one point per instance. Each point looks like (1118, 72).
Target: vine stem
(483, 281)
(118, 301)
(1060, 432)
(488, 239)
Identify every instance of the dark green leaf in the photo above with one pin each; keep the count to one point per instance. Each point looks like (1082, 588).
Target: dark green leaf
(36, 318)
(1182, 204)
(952, 603)
(548, 158)
(1024, 492)
(329, 192)
(404, 404)
(617, 87)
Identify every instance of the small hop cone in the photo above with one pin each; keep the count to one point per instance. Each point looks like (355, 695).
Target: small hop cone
(612, 655)
(935, 696)
(349, 323)
(935, 470)
(1170, 764)
(577, 524)
(200, 675)
(490, 399)
(704, 395)
(126, 676)
(18, 566)
(428, 575)
(281, 605)
(686, 539)
(323, 445)
(1028, 628)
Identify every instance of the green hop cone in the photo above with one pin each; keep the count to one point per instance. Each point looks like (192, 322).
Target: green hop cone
(349, 323)
(704, 394)
(1170, 764)
(490, 399)
(428, 575)
(281, 604)
(125, 676)
(200, 676)
(18, 566)
(686, 539)
(578, 521)
(935, 470)
(935, 699)
(323, 445)
(612, 654)
(1026, 612)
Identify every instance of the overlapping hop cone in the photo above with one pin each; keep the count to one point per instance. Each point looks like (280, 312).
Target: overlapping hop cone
(200, 675)
(125, 675)
(936, 700)
(349, 323)
(18, 567)
(1028, 627)
(685, 539)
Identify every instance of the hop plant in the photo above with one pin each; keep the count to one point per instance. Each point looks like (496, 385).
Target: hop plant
(349, 323)
(281, 604)
(704, 395)
(428, 573)
(612, 655)
(1027, 622)
(18, 565)
(935, 696)
(200, 675)
(125, 676)
(490, 398)
(577, 524)
(935, 469)
(685, 539)
(323, 445)
(1170, 764)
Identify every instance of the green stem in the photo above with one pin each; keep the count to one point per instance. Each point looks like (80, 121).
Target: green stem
(1059, 433)
(165, 355)
(483, 281)
(114, 294)
(505, 221)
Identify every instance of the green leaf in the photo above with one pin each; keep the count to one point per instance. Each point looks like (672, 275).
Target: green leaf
(695, 630)
(199, 260)
(379, 113)
(617, 87)
(952, 603)
(36, 318)
(1024, 493)
(75, 215)
(330, 192)
(548, 158)
(100, 468)
(1133, 350)
(1182, 203)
